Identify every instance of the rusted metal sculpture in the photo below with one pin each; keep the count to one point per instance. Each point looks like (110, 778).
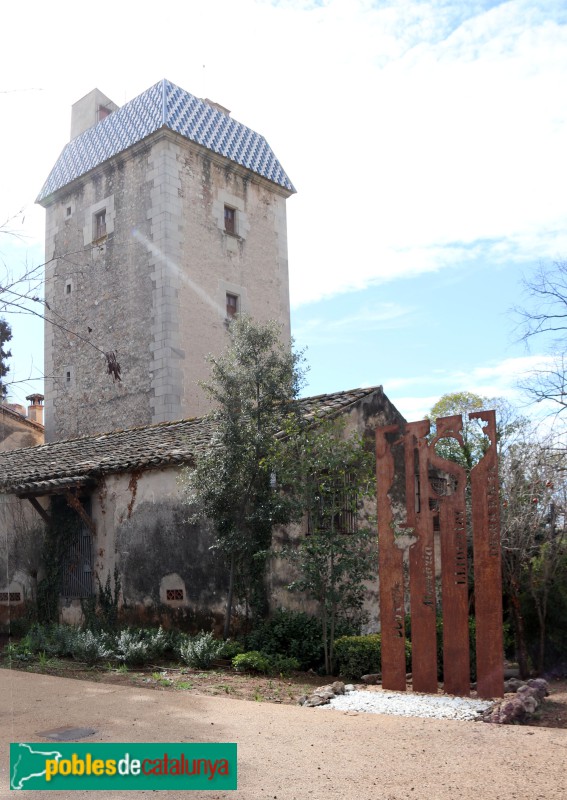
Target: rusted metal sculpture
(435, 490)
(487, 565)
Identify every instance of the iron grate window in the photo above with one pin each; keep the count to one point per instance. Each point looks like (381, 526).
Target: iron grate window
(174, 594)
(77, 570)
(334, 507)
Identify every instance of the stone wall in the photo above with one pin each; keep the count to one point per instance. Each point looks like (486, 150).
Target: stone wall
(153, 287)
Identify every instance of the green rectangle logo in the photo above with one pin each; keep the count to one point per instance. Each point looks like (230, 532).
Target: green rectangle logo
(109, 766)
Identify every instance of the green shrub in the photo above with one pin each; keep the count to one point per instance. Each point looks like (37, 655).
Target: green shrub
(92, 647)
(139, 645)
(290, 633)
(358, 655)
(18, 652)
(256, 661)
(61, 641)
(36, 639)
(200, 651)
(282, 665)
(253, 661)
(231, 648)
(361, 655)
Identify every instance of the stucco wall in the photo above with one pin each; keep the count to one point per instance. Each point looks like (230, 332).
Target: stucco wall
(142, 528)
(362, 418)
(17, 431)
(21, 542)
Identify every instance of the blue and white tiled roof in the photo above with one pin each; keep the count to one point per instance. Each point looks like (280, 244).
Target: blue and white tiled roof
(165, 104)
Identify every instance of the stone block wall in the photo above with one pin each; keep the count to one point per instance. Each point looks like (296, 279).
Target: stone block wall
(153, 287)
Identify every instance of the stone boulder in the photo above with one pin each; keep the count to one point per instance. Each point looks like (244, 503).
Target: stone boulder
(528, 698)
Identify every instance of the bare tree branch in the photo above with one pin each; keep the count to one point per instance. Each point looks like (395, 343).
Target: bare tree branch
(546, 315)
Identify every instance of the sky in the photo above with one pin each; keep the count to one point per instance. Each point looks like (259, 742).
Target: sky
(426, 141)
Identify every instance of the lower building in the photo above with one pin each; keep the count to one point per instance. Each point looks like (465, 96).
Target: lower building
(122, 491)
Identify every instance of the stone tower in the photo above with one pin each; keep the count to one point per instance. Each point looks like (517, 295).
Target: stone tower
(165, 217)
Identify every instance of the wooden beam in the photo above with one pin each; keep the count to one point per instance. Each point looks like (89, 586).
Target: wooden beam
(40, 509)
(74, 503)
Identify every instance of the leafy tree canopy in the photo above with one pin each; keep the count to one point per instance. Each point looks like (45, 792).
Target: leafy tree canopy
(331, 475)
(253, 385)
(5, 336)
(475, 443)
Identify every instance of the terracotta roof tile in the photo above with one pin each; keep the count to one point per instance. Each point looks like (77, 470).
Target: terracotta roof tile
(48, 467)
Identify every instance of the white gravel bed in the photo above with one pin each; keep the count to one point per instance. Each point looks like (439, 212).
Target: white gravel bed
(408, 704)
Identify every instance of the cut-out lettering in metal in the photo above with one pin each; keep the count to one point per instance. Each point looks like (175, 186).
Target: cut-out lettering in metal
(434, 533)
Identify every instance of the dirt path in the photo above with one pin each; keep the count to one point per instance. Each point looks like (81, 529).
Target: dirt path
(291, 753)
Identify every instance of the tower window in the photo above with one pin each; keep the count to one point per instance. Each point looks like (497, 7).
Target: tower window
(68, 377)
(68, 211)
(230, 220)
(100, 224)
(231, 305)
(103, 113)
(68, 287)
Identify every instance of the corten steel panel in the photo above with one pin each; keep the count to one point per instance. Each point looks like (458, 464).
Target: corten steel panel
(421, 560)
(487, 566)
(390, 564)
(454, 567)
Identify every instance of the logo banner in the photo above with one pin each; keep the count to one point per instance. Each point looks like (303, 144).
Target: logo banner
(64, 766)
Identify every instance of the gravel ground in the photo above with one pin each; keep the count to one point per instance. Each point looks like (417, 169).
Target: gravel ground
(410, 705)
(286, 752)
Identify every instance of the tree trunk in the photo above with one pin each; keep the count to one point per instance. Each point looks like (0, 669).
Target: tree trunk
(541, 615)
(325, 638)
(519, 636)
(228, 613)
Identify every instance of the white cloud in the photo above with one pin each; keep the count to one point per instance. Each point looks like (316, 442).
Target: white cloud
(498, 379)
(407, 126)
(380, 316)
(420, 135)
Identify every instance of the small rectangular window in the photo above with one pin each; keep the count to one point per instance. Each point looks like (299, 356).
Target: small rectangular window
(229, 220)
(231, 305)
(100, 224)
(68, 377)
(68, 287)
(103, 113)
(68, 211)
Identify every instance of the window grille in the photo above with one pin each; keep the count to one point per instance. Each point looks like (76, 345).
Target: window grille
(78, 564)
(174, 594)
(334, 507)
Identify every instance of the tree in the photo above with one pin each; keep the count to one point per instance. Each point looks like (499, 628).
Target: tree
(508, 426)
(253, 385)
(5, 336)
(331, 477)
(547, 316)
(474, 442)
(521, 530)
(534, 537)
